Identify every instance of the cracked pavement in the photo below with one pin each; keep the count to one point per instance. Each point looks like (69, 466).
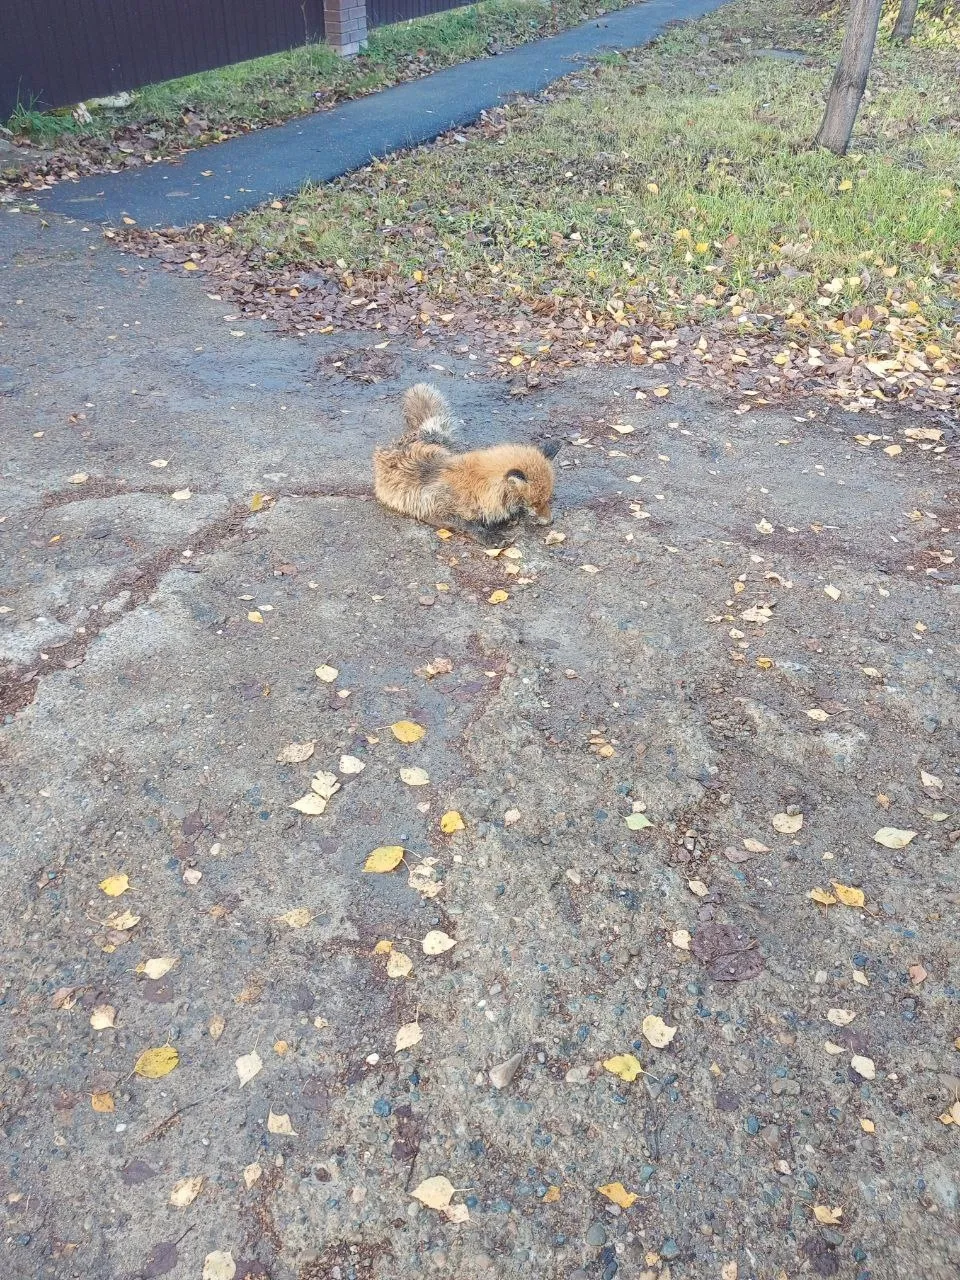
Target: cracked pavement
(143, 712)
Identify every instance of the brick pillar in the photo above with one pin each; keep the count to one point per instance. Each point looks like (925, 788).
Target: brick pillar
(345, 25)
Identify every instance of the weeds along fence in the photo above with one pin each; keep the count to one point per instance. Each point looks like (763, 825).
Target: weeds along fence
(54, 53)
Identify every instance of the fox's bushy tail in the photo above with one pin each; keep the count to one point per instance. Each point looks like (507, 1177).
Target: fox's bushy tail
(427, 414)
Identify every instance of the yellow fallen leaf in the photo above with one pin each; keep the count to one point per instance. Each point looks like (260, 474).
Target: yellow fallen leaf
(103, 1017)
(894, 837)
(326, 674)
(831, 591)
(190, 266)
(154, 1064)
(451, 822)
(113, 886)
(849, 896)
(156, 968)
(186, 1191)
(415, 777)
(660, 392)
(840, 1017)
(498, 596)
(551, 1196)
(823, 897)
(845, 185)
(408, 1035)
(681, 939)
(122, 920)
(624, 1065)
(435, 1193)
(325, 784)
(385, 858)
(280, 1123)
(437, 942)
(408, 731)
(254, 616)
(257, 502)
(248, 1066)
(788, 824)
(755, 846)
(867, 1125)
(818, 715)
(295, 752)
(423, 878)
(656, 1031)
(219, 1265)
(516, 361)
(216, 1026)
(103, 1102)
(653, 188)
(765, 664)
(298, 918)
(952, 1116)
(383, 948)
(398, 965)
(829, 1217)
(618, 1193)
(311, 804)
(864, 1067)
(252, 1174)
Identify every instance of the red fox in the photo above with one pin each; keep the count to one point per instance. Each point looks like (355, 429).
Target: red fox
(421, 476)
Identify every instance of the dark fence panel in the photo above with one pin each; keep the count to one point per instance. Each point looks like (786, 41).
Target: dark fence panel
(380, 13)
(57, 52)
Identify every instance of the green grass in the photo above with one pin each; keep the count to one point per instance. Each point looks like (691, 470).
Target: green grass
(677, 184)
(266, 90)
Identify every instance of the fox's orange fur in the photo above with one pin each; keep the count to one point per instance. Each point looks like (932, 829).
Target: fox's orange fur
(421, 476)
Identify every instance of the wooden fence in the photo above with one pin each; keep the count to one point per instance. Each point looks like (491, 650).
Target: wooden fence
(57, 52)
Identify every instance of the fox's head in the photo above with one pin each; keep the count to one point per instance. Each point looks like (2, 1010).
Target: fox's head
(530, 479)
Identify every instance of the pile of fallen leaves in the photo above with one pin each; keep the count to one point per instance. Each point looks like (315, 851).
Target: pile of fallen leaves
(881, 358)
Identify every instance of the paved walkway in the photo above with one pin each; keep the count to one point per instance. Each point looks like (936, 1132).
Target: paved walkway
(223, 180)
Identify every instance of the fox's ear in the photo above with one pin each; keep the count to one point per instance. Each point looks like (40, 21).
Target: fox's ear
(550, 449)
(516, 475)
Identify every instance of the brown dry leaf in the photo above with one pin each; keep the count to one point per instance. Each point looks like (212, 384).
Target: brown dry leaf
(931, 781)
(840, 1017)
(698, 888)
(186, 1191)
(298, 918)
(398, 965)
(864, 1067)
(386, 858)
(818, 714)
(437, 667)
(952, 1116)
(326, 673)
(415, 777)
(551, 1196)
(103, 1102)
(252, 1173)
(788, 824)
(435, 1193)
(624, 1065)
(408, 1035)
(296, 752)
(65, 997)
(423, 878)
(122, 920)
(311, 804)
(437, 942)
(917, 974)
(217, 1026)
(824, 898)
(103, 1016)
(618, 1194)
(157, 967)
(280, 1123)
(248, 1066)
(756, 846)
(451, 822)
(849, 896)
(829, 1217)
(894, 837)
(656, 1031)
(154, 1064)
(407, 731)
(554, 538)
(113, 886)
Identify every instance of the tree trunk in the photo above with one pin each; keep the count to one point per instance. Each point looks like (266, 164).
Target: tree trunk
(903, 27)
(850, 79)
